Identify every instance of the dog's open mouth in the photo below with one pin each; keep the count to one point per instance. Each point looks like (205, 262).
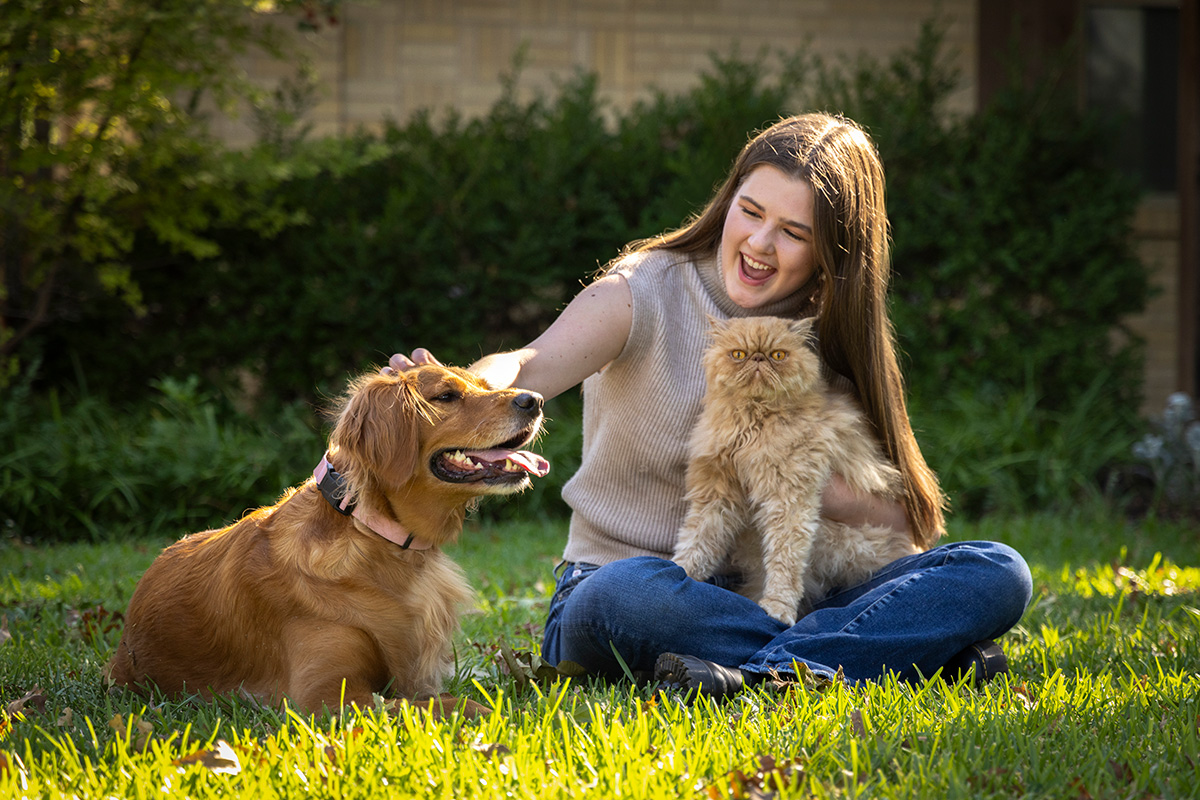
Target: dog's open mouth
(498, 465)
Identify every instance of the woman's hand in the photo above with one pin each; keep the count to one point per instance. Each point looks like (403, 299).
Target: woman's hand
(589, 333)
(842, 504)
(400, 362)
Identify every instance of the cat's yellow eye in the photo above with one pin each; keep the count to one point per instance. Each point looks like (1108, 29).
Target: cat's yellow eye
(778, 355)
(737, 355)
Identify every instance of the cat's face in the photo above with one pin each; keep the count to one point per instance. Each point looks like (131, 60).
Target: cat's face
(761, 357)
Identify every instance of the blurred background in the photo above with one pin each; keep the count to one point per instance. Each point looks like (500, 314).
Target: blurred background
(214, 213)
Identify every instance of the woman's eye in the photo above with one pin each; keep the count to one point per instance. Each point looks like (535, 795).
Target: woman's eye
(737, 355)
(778, 355)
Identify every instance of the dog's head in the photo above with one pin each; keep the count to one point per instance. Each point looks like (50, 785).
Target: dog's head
(435, 434)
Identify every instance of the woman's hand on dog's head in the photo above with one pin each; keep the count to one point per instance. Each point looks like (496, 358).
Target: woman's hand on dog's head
(400, 362)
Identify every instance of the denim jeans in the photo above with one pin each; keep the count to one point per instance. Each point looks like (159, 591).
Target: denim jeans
(909, 618)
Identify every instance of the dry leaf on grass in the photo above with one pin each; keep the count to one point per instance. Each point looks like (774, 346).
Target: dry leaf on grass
(219, 758)
(768, 777)
(139, 727)
(34, 700)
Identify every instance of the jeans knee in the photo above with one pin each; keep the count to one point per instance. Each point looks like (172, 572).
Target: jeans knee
(612, 604)
(622, 590)
(1003, 581)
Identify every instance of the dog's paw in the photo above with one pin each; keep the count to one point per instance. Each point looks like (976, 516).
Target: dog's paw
(783, 612)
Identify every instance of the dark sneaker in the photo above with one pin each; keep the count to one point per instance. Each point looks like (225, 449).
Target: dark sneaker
(691, 674)
(985, 658)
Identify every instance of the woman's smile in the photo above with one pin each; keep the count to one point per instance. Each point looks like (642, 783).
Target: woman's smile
(766, 243)
(755, 272)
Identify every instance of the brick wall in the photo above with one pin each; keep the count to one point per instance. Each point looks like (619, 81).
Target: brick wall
(1157, 231)
(390, 58)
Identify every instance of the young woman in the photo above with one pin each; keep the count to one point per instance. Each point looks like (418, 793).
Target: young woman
(799, 228)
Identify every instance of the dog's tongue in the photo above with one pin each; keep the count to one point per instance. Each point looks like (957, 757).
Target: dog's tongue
(530, 462)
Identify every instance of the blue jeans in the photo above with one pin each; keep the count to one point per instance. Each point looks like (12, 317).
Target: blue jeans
(909, 618)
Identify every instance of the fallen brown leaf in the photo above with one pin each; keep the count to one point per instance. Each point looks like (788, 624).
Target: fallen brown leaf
(1121, 771)
(34, 700)
(856, 723)
(490, 750)
(764, 782)
(97, 621)
(142, 728)
(220, 758)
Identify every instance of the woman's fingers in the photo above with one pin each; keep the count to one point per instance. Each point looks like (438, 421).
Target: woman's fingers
(399, 362)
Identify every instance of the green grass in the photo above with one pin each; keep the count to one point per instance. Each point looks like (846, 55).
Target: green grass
(1103, 699)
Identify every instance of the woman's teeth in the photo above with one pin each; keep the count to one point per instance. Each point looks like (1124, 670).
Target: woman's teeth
(756, 269)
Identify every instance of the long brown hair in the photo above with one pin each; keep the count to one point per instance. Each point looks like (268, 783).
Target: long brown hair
(853, 266)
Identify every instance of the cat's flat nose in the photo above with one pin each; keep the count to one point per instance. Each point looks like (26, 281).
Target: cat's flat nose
(758, 357)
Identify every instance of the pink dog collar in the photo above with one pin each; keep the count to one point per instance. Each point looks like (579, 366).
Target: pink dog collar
(333, 488)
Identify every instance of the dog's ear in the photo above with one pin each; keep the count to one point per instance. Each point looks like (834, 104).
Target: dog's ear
(377, 430)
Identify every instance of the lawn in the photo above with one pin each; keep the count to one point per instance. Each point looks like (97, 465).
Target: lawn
(1103, 699)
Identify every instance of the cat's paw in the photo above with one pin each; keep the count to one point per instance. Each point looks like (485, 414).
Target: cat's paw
(694, 571)
(691, 563)
(783, 612)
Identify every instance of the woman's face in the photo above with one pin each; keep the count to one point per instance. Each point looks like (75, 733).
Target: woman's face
(766, 244)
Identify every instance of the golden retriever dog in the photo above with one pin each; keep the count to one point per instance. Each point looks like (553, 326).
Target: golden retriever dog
(341, 589)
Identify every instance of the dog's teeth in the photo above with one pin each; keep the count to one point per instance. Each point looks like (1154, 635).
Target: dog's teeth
(509, 466)
(460, 459)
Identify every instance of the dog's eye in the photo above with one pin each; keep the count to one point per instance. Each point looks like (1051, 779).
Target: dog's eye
(737, 355)
(447, 397)
(778, 355)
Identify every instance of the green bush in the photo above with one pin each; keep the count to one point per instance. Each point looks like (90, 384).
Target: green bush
(1011, 236)
(1011, 249)
(1004, 452)
(1017, 251)
(77, 467)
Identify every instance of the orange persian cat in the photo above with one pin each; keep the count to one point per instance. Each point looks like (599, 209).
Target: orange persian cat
(768, 438)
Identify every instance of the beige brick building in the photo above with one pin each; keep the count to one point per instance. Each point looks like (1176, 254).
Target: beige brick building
(389, 58)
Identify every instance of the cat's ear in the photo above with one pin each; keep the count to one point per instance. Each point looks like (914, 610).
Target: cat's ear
(716, 324)
(804, 327)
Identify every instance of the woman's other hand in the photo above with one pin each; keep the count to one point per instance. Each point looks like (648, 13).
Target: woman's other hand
(842, 504)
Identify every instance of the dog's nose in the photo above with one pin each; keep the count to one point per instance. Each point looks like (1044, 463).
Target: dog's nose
(528, 401)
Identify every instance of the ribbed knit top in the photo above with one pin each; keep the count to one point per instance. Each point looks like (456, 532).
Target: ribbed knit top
(627, 496)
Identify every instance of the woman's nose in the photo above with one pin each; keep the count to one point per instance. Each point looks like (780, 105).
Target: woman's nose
(761, 240)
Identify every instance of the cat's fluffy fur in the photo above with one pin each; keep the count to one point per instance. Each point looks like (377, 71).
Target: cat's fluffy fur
(768, 438)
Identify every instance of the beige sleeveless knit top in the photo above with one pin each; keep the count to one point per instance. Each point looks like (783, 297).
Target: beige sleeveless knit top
(627, 496)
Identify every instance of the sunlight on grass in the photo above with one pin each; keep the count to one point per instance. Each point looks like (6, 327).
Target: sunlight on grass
(1102, 699)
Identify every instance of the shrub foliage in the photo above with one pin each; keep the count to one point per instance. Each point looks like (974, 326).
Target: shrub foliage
(1013, 263)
